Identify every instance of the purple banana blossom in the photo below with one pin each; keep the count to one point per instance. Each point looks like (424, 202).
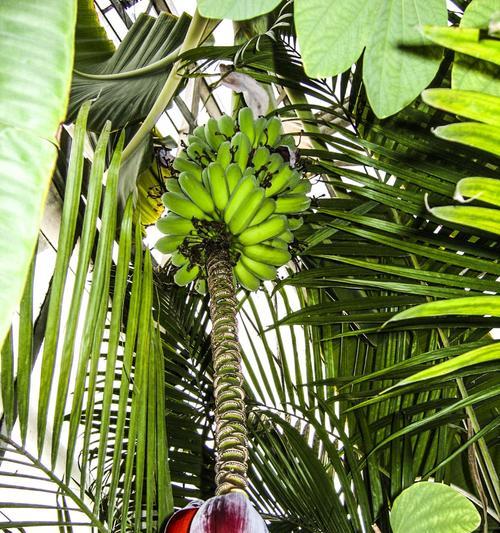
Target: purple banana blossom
(230, 513)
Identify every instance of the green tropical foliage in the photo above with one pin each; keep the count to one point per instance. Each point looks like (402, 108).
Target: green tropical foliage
(370, 366)
(34, 94)
(433, 506)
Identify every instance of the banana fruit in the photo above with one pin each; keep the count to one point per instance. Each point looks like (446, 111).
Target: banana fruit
(272, 227)
(265, 253)
(258, 269)
(234, 188)
(174, 225)
(245, 277)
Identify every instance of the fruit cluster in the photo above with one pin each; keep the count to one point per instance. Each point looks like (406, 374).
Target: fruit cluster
(236, 189)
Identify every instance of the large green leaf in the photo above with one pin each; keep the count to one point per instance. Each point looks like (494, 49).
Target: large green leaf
(468, 73)
(127, 83)
(78, 400)
(323, 26)
(36, 61)
(399, 63)
(235, 9)
(426, 507)
(92, 43)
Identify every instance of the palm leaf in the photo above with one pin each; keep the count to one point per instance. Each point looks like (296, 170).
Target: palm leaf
(84, 462)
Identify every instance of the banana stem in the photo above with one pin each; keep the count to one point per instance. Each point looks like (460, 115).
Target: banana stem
(197, 31)
(230, 420)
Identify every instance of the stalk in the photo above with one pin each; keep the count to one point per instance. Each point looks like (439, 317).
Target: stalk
(230, 420)
(148, 69)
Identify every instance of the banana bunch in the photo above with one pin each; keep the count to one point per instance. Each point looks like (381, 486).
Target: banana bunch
(234, 189)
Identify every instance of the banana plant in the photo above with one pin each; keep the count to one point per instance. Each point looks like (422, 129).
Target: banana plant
(251, 368)
(226, 221)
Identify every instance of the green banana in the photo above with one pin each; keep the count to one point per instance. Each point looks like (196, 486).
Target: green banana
(233, 176)
(194, 139)
(182, 206)
(226, 126)
(247, 123)
(272, 227)
(184, 165)
(245, 277)
(277, 243)
(214, 138)
(286, 236)
(260, 158)
(279, 181)
(260, 135)
(172, 185)
(186, 274)
(169, 244)
(218, 185)
(275, 163)
(233, 171)
(269, 255)
(293, 203)
(289, 141)
(197, 152)
(201, 287)
(204, 179)
(199, 132)
(241, 149)
(239, 196)
(274, 131)
(294, 223)
(224, 154)
(303, 187)
(247, 210)
(197, 193)
(266, 210)
(258, 269)
(178, 259)
(295, 181)
(174, 225)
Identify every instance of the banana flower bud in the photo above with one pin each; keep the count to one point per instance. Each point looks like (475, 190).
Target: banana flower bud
(230, 513)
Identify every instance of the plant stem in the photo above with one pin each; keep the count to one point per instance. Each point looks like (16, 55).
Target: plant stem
(230, 419)
(197, 31)
(148, 69)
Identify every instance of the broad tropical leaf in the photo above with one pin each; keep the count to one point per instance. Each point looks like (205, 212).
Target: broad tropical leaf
(432, 506)
(322, 26)
(33, 99)
(234, 9)
(127, 82)
(392, 77)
